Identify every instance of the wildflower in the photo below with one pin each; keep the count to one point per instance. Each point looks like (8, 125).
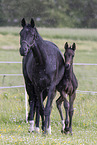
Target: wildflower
(5, 130)
(19, 126)
(84, 124)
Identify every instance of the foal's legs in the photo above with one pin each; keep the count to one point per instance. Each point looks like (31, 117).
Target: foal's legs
(59, 103)
(66, 106)
(71, 101)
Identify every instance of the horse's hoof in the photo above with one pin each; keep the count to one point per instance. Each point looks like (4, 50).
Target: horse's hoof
(71, 133)
(30, 131)
(62, 131)
(37, 129)
(70, 130)
(44, 133)
(66, 132)
(49, 130)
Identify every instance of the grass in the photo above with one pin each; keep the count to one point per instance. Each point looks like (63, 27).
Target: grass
(59, 33)
(13, 129)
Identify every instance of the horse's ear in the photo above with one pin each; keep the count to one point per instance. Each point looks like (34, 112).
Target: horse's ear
(74, 46)
(23, 22)
(32, 23)
(66, 45)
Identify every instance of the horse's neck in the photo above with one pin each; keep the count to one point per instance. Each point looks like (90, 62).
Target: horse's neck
(69, 73)
(38, 55)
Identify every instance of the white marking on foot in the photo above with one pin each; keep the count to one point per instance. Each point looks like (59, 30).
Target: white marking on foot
(31, 129)
(63, 125)
(37, 129)
(49, 130)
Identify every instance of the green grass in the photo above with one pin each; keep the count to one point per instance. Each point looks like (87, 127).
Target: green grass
(67, 33)
(13, 129)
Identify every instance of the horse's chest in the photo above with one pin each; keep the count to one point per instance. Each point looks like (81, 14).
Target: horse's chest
(39, 78)
(68, 86)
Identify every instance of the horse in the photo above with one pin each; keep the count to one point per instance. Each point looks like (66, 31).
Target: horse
(67, 86)
(43, 68)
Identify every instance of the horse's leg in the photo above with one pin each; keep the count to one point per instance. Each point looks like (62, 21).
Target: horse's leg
(66, 106)
(37, 116)
(31, 94)
(51, 94)
(71, 101)
(59, 103)
(49, 126)
(41, 109)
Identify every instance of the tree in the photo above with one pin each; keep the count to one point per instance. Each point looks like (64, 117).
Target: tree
(50, 13)
(2, 16)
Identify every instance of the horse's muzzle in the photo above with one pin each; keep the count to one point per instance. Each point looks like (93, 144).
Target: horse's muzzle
(22, 52)
(67, 66)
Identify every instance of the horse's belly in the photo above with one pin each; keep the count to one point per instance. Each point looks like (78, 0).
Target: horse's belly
(39, 78)
(41, 83)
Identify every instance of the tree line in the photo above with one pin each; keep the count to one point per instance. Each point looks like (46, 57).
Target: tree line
(50, 13)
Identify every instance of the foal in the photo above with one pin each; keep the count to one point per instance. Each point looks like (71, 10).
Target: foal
(67, 86)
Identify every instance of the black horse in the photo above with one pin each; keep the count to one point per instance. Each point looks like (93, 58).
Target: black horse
(43, 68)
(67, 86)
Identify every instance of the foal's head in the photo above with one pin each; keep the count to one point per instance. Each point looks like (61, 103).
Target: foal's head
(69, 54)
(27, 36)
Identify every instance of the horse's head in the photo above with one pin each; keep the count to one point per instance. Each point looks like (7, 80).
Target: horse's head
(27, 36)
(69, 54)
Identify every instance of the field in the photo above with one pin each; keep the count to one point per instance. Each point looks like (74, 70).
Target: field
(13, 128)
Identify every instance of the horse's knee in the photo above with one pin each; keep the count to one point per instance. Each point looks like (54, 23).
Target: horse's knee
(58, 103)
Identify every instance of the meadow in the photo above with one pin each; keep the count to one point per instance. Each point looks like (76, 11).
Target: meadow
(13, 128)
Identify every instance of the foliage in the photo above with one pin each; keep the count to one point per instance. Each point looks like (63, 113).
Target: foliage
(50, 13)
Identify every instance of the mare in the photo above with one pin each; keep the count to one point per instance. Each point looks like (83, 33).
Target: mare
(43, 68)
(67, 86)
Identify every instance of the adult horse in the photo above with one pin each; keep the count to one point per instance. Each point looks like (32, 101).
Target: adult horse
(43, 68)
